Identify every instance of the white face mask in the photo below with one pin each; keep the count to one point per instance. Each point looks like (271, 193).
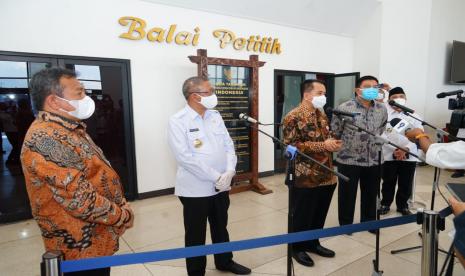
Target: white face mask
(84, 108)
(400, 101)
(319, 101)
(209, 102)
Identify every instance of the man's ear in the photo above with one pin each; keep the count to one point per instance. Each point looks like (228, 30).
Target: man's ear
(52, 102)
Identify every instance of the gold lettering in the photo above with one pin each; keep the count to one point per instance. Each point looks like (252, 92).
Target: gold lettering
(257, 45)
(276, 47)
(160, 34)
(183, 38)
(250, 43)
(169, 38)
(137, 25)
(195, 41)
(268, 45)
(263, 47)
(239, 43)
(225, 37)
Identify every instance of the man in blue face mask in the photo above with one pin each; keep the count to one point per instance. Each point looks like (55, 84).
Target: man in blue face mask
(358, 158)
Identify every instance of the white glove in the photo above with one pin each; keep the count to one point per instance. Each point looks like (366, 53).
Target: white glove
(224, 183)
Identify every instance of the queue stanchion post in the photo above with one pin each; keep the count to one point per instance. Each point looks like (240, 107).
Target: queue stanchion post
(431, 224)
(290, 155)
(51, 261)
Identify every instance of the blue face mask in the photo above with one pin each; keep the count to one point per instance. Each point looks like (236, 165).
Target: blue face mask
(370, 94)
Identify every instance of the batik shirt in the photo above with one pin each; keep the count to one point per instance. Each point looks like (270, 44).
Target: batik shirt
(307, 130)
(360, 148)
(75, 194)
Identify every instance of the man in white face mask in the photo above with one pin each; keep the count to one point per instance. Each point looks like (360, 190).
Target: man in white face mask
(206, 161)
(399, 167)
(76, 196)
(307, 128)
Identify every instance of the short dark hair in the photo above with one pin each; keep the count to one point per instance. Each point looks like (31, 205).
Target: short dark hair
(47, 82)
(307, 85)
(359, 81)
(191, 83)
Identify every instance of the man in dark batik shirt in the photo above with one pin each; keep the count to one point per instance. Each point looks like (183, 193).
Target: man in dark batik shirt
(358, 158)
(307, 128)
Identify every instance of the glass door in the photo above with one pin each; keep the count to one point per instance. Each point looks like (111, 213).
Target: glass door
(107, 83)
(16, 116)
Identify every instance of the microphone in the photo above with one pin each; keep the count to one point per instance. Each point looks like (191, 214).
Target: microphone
(400, 125)
(404, 108)
(247, 118)
(451, 93)
(341, 113)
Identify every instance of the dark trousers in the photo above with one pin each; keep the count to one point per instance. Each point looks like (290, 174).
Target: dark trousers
(402, 173)
(369, 178)
(311, 206)
(93, 272)
(196, 211)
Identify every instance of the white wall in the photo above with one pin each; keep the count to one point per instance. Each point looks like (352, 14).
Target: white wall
(367, 44)
(404, 48)
(90, 28)
(447, 24)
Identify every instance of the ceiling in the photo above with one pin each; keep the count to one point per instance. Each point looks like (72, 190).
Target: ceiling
(340, 17)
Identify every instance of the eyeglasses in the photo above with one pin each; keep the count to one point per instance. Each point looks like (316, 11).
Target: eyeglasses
(204, 92)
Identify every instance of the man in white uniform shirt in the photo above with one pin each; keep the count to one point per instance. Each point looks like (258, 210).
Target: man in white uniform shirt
(399, 167)
(206, 165)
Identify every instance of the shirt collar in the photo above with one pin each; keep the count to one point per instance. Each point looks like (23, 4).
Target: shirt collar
(64, 122)
(359, 102)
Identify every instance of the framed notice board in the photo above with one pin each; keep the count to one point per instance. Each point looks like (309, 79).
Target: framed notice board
(236, 85)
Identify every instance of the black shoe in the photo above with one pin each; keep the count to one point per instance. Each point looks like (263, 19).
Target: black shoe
(404, 211)
(458, 174)
(322, 251)
(236, 268)
(384, 209)
(303, 258)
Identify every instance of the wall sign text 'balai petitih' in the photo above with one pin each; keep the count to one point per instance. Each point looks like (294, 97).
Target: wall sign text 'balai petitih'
(137, 30)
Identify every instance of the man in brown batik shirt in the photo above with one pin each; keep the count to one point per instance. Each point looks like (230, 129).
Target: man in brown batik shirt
(76, 196)
(307, 128)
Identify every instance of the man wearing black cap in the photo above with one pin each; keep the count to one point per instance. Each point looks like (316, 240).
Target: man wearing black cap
(399, 167)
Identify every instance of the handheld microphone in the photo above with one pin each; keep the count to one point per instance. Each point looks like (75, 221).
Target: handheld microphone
(400, 125)
(451, 93)
(402, 107)
(247, 118)
(341, 113)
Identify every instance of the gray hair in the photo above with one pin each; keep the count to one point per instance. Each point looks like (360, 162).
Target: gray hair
(47, 82)
(191, 83)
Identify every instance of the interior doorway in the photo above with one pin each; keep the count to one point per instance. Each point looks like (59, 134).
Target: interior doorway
(339, 88)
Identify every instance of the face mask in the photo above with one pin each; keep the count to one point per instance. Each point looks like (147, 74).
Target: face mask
(400, 101)
(209, 102)
(319, 101)
(84, 108)
(370, 94)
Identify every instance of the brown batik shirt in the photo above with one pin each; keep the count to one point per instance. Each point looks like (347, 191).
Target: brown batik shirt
(307, 130)
(74, 192)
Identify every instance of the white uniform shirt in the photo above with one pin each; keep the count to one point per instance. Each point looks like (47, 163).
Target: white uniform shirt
(447, 155)
(203, 149)
(397, 138)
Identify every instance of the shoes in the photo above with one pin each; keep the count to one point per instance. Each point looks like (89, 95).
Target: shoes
(457, 174)
(236, 268)
(404, 211)
(383, 210)
(322, 251)
(303, 258)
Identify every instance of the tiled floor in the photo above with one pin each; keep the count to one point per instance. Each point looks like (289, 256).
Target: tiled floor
(159, 226)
